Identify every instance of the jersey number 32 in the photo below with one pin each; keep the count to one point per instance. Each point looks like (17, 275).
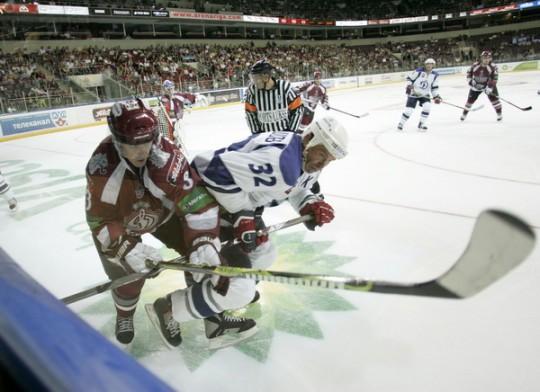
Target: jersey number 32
(263, 171)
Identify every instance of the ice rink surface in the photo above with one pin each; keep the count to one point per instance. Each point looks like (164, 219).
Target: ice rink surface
(405, 207)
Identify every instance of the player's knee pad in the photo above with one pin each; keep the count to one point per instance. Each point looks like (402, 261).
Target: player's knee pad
(240, 293)
(307, 117)
(426, 108)
(263, 256)
(408, 111)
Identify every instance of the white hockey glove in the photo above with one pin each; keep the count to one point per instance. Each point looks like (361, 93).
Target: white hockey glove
(325, 105)
(204, 250)
(135, 259)
(488, 90)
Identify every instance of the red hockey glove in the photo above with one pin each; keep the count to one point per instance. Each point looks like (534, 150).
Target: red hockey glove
(322, 213)
(245, 230)
(437, 99)
(408, 90)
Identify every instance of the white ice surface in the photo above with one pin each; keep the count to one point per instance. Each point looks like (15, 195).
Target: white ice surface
(405, 206)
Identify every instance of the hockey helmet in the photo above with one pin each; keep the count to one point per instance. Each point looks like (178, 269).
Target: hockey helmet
(429, 61)
(261, 67)
(331, 134)
(485, 53)
(132, 124)
(317, 75)
(168, 85)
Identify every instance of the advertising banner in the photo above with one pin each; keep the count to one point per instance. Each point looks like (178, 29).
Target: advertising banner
(10, 8)
(203, 15)
(33, 122)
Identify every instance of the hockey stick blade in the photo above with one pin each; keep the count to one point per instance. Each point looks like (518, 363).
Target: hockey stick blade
(499, 243)
(527, 108)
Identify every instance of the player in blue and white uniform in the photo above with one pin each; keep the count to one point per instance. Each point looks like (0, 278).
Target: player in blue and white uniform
(265, 170)
(422, 84)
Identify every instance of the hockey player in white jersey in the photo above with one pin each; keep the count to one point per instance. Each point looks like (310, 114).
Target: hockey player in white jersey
(422, 84)
(265, 170)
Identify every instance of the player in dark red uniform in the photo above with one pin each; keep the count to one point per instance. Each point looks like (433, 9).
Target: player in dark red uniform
(175, 102)
(139, 182)
(312, 94)
(482, 77)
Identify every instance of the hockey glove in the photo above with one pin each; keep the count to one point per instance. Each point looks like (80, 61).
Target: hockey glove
(472, 83)
(437, 99)
(136, 259)
(322, 213)
(490, 86)
(204, 250)
(409, 89)
(245, 230)
(325, 105)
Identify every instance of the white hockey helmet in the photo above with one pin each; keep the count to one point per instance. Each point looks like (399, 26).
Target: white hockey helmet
(429, 61)
(331, 134)
(168, 85)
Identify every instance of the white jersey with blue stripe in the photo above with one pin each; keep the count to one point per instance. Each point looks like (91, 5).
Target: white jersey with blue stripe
(262, 170)
(423, 83)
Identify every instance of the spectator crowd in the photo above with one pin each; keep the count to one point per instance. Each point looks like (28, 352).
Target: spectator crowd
(205, 66)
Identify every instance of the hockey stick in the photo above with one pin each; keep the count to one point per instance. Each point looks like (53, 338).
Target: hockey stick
(464, 108)
(124, 280)
(499, 242)
(514, 105)
(178, 133)
(350, 114)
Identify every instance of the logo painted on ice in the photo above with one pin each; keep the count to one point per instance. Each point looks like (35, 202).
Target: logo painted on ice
(282, 308)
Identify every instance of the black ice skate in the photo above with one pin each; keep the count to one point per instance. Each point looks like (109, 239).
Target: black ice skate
(124, 329)
(400, 127)
(499, 116)
(225, 330)
(463, 116)
(160, 314)
(422, 127)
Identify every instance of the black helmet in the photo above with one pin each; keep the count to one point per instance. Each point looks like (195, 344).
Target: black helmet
(261, 67)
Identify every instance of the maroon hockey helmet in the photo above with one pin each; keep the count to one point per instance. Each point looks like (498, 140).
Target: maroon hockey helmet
(485, 53)
(317, 75)
(132, 124)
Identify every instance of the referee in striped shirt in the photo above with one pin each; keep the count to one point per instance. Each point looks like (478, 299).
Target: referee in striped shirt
(271, 104)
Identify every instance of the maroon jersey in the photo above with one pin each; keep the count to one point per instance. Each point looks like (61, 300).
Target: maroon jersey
(175, 105)
(312, 95)
(482, 75)
(124, 202)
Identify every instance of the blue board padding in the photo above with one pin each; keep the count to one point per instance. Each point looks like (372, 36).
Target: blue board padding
(45, 346)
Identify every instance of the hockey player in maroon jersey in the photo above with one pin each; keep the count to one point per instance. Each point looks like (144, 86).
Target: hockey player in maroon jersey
(139, 182)
(312, 94)
(175, 102)
(482, 76)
